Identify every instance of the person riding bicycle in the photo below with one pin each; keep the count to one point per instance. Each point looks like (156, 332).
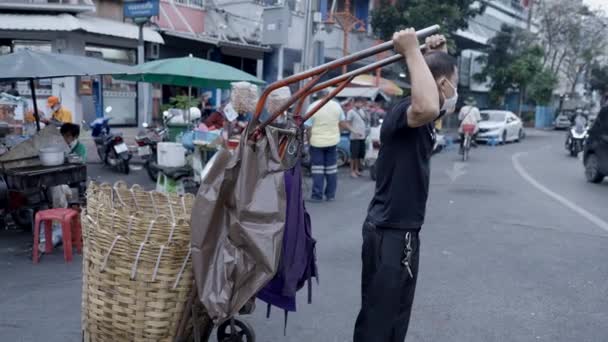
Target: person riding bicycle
(468, 115)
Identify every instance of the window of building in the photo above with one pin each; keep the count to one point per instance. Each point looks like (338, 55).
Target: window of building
(191, 3)
(118, 94)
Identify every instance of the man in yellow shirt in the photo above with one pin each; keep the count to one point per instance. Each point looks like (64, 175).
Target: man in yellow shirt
(58, 112)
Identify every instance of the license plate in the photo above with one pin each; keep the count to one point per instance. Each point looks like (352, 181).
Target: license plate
(143, 151)
(121, 148)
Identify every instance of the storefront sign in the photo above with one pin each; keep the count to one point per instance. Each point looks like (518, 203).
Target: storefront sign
(85, 85)
(141, 9)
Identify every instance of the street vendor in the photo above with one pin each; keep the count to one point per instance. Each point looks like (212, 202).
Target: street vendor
(70, 133)
(58, 111)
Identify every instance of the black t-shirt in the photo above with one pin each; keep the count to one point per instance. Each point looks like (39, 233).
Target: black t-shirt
(403, 171)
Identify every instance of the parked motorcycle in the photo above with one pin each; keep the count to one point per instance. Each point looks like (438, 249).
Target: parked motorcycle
(147, 142)
(111, 147)
(576, 139)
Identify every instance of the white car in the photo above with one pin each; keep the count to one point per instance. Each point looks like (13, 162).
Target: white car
(500, 126)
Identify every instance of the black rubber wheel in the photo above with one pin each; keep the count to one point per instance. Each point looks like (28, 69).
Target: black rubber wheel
(151, 170)
(504, 137)
(125, 166)
(342, 157)
(242, 332)
(520, 135)
(465, 149)
(592, 172)
(573, 152)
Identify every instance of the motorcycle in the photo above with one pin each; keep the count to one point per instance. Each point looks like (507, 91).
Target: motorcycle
(111, 148)
(576, 139)
(147, 145)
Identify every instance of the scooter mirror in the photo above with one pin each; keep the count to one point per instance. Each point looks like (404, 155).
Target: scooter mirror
(108, 109)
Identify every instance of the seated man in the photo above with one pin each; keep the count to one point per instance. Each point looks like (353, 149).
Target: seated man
(70, 133)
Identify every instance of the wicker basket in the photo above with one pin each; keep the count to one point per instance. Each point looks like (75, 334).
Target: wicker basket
(137, 271)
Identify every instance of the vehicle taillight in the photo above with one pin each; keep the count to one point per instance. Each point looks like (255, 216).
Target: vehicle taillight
(117, 139)
(376, 144)
(140, 142)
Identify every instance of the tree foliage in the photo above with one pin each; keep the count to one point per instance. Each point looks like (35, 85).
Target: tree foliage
(574, 38)
(450, 14)
(513, 62)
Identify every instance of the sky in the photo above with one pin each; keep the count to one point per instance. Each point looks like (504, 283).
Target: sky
(603, 4)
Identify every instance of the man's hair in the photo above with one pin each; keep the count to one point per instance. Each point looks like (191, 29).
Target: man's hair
(71, 129)
(440, 64)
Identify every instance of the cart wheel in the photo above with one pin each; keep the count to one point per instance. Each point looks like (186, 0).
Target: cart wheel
(242, 332)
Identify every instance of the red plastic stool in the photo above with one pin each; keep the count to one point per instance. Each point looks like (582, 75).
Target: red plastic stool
(70, 229)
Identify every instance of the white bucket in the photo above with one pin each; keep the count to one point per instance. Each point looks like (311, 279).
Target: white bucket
(171, 154)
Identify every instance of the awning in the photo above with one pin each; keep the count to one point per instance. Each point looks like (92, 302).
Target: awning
(216, 41)
(366, 92)
(69, 23)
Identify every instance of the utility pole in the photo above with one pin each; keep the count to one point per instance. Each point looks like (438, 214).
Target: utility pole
(307, 36)
(141, 87)
(348, 22)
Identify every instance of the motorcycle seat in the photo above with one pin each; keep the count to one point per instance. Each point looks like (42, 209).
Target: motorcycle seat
(175, 172)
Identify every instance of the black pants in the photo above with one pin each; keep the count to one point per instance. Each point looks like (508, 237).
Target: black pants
(387, 286)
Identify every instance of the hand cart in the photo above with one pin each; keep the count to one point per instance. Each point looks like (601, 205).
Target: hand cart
(235, 330)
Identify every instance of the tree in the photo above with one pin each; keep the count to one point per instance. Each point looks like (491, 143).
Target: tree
(573, 37)
(541, 88)
(452, 15)
(514, 61)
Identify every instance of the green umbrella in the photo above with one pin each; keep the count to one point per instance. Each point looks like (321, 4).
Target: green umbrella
(189, 72)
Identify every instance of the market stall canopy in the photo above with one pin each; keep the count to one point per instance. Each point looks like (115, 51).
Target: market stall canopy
(28, 64)
(31, 65)
(387, 86)
(370, 93)
(189, 72)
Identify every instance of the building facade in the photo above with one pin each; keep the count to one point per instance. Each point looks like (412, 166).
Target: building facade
(79, 27)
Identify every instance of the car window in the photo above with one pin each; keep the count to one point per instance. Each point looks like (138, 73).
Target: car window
(493, 116)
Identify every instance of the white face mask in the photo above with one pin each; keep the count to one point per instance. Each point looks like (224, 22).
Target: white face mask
(449, 104)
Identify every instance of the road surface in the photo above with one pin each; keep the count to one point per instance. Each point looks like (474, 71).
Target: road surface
(513, 249)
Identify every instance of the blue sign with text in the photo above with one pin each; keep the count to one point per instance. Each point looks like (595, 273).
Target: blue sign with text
(141, 8)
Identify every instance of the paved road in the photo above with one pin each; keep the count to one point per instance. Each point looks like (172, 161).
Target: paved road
(513, 250)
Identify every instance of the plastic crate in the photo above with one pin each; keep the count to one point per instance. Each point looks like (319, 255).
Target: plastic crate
(174, 130)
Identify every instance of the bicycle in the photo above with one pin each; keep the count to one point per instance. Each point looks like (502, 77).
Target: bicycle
(469, 131)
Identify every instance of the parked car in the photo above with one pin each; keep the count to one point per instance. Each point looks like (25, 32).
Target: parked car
(562, 121)
(500, 125)
(595, 154)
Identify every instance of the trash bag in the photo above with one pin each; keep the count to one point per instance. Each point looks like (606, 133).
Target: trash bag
(237, 223)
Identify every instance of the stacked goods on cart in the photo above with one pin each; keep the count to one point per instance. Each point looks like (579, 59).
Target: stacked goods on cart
(137, 272)
(244, 97)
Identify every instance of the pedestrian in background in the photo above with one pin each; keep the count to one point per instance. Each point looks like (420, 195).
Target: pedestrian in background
(324, 131)
(357, 123)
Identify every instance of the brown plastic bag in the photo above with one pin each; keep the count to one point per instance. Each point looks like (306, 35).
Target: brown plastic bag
(237, 224)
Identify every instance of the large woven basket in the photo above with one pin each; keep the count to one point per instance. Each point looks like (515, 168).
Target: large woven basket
(137, 271)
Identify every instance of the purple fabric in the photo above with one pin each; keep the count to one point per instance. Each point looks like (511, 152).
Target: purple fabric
(298, 262)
